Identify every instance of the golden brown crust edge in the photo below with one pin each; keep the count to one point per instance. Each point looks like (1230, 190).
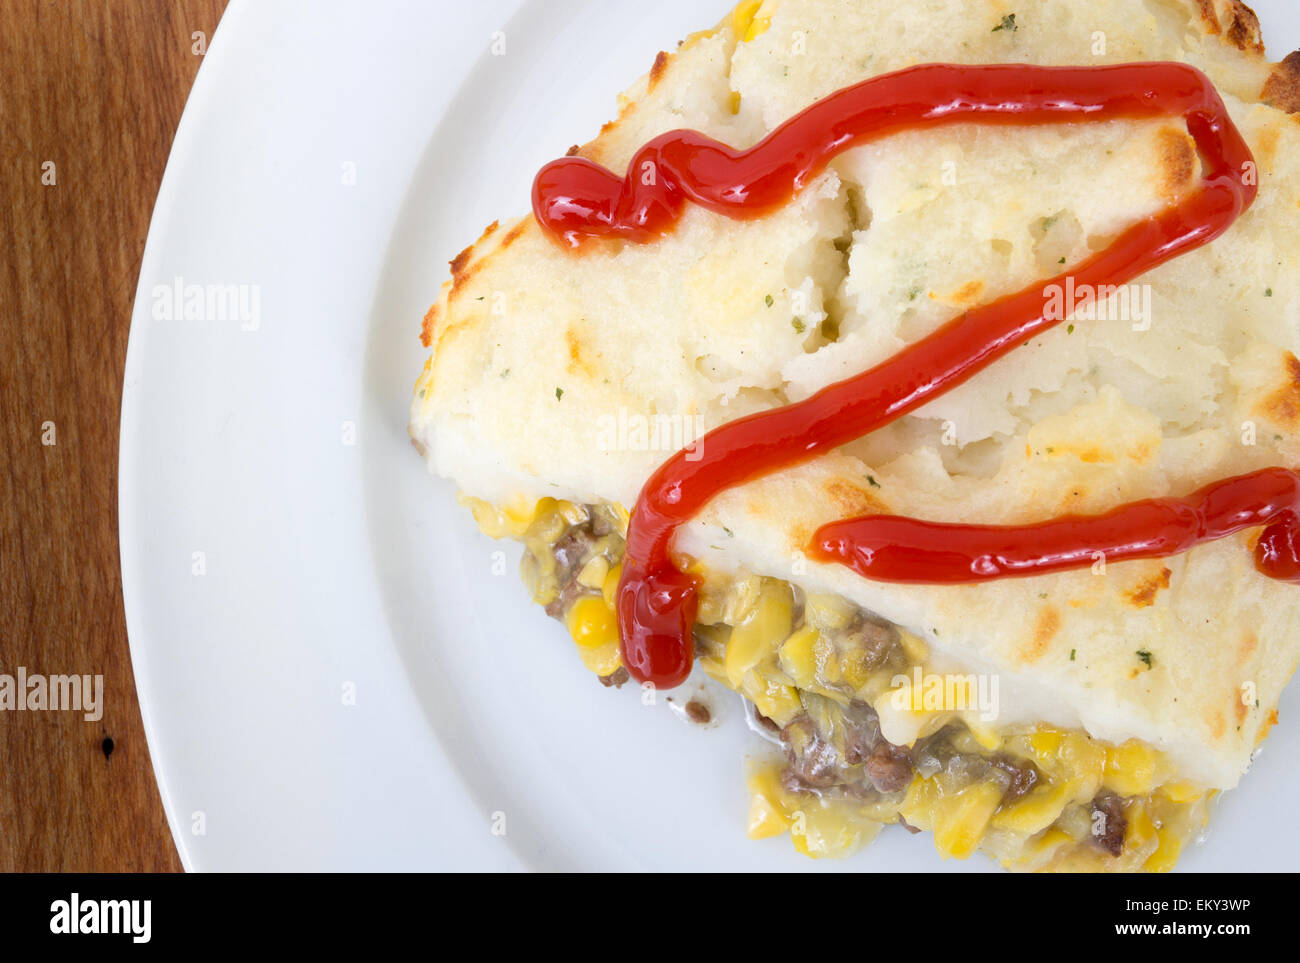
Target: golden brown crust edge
(1283, 87)
(1234, 21)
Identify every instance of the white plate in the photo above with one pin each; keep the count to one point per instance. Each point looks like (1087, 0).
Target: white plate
(282, 546)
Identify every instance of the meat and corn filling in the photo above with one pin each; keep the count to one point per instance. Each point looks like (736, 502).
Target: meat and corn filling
(829, 680)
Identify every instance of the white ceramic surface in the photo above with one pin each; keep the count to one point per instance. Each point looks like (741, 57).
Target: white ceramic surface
(333, 156)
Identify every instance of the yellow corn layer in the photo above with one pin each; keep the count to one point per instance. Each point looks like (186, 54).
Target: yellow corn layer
(749, 642)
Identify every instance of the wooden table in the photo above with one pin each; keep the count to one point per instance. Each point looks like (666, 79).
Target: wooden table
(95, 88)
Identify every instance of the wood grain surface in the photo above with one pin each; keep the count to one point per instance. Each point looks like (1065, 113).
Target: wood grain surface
(95, 88)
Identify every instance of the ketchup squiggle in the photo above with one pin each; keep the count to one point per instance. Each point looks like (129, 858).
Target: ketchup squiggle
(575, 199)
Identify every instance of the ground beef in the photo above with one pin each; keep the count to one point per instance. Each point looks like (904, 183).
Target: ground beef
(1024, 776)
(600, 523)
(571, 553)
(862, 732)
(874, 640)
(812, 762)
(767, 723)
(615, 678)
(1108, 823)
(570, 592)
(869, 761)
(889, 768)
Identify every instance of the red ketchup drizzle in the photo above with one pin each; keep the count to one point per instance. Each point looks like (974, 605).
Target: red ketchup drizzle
(575, 199)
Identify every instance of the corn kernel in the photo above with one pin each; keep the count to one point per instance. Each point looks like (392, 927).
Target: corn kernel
(798, 660)
(960, 819)
(712, 604)
(1070, 756)
(593, 574)
(1181, 792)
(778, 702)
(800, 841)
(1141, 831)
(854, 670)
(1052, 839)
(520, 513)
(609, 588)
(741, 598)
(758, 636)
(829, 612)
(591, 623)
(1046, 742)
(827, 661)
(1035, 811)
(1130, 769)
(765, 820)
(548, 522)
(766, 813)
(831, 831)
(714, 669)
(1168, 849)
(490, 520)
(602, 660)
(919, 802)
(1037, 853)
